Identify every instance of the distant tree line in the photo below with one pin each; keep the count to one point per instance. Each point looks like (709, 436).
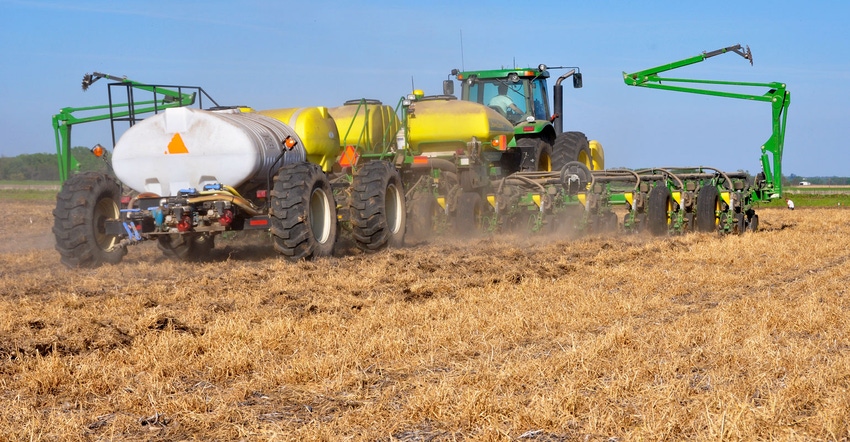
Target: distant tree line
(794, 180)
(45, 166)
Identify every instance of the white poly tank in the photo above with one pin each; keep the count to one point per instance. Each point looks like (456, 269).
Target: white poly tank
(187, 148)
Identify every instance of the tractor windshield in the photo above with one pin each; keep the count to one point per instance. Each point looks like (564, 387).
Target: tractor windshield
(509, 99)
(515, 101)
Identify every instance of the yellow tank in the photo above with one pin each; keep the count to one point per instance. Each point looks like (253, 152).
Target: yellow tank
(367, 124)
(597, 154)
(440, 126)
(317, 130)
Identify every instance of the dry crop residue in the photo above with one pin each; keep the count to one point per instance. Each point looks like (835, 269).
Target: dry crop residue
(697, 337)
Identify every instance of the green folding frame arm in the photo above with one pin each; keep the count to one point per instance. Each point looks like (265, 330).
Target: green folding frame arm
(770, 186)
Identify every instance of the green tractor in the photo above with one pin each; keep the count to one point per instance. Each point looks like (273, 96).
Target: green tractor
(521, 95)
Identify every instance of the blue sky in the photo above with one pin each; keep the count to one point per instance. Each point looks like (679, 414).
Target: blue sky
(271, 54)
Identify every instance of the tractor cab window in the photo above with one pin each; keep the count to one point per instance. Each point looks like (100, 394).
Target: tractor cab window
(503, 96)
(540, 99)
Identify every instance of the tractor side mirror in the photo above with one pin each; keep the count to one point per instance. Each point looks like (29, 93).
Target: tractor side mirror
(577, 80)
(448, 87)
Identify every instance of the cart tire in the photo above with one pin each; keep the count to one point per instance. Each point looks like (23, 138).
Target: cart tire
(303, 212)
(83, 205)
(377, 210)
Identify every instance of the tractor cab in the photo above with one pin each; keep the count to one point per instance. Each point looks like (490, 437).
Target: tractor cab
(516, 94)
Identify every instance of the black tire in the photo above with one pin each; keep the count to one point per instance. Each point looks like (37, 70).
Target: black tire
(660, 204)
(420, 217)
(85, 202)
(571, 146)
(377, 212)
(469, 212)
(707, 205)
(303, 212)
(754, 223)
(467, 180)
(186, 247)
(536, 154)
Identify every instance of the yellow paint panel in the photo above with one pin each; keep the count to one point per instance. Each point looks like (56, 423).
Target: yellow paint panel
(677, 196)
(176, 145)
(597, 154)
(492, 200)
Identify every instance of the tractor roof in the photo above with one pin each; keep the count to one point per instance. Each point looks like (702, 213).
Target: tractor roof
(503, 73)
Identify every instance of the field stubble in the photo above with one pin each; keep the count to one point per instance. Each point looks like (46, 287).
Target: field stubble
(697, 337)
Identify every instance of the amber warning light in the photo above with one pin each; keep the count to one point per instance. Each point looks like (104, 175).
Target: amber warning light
(98, 150)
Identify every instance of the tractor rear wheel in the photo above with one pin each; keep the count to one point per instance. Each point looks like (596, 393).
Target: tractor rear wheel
(83, 205)
(536, 154)
(660, 205)
(303, 212)
(186, 247)
(571, 146)
(707, 206)
(377, 215)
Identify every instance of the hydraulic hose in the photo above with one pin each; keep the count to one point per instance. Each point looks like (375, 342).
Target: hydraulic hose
(238, 200)
(723, 174)
(436, 163)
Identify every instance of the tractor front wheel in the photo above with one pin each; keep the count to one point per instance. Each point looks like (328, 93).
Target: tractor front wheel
(571, 146)
(83, 206)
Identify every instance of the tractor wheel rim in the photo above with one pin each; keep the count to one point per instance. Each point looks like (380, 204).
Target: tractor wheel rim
(545, 163)
(395, 206)
(104, 209)
(319, 211)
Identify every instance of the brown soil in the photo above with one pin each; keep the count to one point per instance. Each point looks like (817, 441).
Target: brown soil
(699, 337)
